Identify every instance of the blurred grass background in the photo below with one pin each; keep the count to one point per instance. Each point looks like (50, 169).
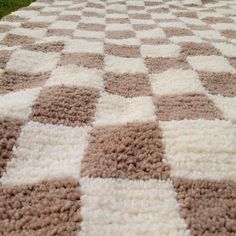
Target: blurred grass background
(8, 6)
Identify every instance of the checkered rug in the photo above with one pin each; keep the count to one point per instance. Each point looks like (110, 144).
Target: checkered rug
(118, 118)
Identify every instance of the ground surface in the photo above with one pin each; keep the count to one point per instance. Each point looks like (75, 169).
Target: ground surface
(118, 118)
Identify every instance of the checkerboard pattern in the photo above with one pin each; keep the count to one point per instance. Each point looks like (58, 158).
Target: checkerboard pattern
(118, 117)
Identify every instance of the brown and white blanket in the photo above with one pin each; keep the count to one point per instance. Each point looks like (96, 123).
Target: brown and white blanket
(118, 118)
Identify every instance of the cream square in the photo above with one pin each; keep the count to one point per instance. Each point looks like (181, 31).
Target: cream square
(63, 25)
(78, 76)
(34, 33)
(135, 3)
(119, 27)
(208, 34)
(130, 207)
(83, 46)
(210, 63)
(47, 19)
(224, 26)
(89, 34)
(192, 21)
(32, 62)
(18, 104)
(124, 65)
(174, 24)
(46, 152)
(92, 20)
(150, 34)
(164, 50)
(227, 105)
(200, 149)
(227, 49)
(180, 39)
(25, 14)
(166, 16)
(129, 41)
(115, 110)
(176, 81)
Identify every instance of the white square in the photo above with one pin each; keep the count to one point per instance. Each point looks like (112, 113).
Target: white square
(208, 34)
(78, 76)
(227, 105)
(175, 24)
(47, 19)
(83, 46)
(192, 21)
(210, 63)
(130, 207)
(166, 16)
(200, 149)
(164, 50)
(134, 3)
(63, 25)
(176, 81)
(227, 49)
(25, 14)
(32, 62)
(152, 33)
(89, 34)
(129, 41)
(92, 20)
(114, 110)
(34, 33)
(180, 39)
(124, 65)
(119, 27)
(18, 104)
(46, 152)
(224, 26)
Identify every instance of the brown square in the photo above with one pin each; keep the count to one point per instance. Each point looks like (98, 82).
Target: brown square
(127, 85)
(4, 58)
(117, 20)
(190, 14)
(13, 81)
(141, 16)
(13, 18)
(133, 151)
(92, 14)
(60, 32)
(229, 33)
(5, 28)
(219, 83)
(90, 60)
(33, 25)
(70, 106)
(208, 207)
(46, 208)
(92, 27)
(46, 47)
(74, 18)
(9, 132)
(120, 34)
(15, 40)
(123, 50)
(215, 20)
(196, 49)
(177, 32)
(187, 106)
(158, 65)
(141, 27)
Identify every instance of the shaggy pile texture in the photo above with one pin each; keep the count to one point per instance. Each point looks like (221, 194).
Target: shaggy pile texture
(118, 117)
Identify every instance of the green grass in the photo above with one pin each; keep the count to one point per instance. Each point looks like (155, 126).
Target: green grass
(8, 6)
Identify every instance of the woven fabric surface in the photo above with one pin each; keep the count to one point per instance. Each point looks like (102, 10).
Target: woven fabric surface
(118, 118)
